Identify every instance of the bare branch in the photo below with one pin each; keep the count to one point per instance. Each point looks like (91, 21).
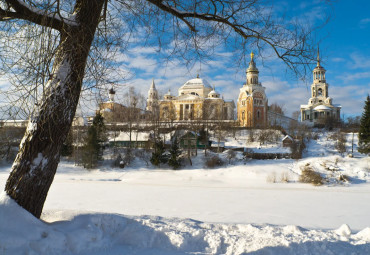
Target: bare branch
(32, 14)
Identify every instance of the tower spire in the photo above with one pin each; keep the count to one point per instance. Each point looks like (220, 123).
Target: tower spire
(153, 84)
(318, 55)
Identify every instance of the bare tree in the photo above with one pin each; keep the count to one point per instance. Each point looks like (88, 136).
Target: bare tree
(197, 28)
(277, 108)
(134, 102)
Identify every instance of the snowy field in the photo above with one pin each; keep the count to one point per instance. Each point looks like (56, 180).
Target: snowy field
(243, 208)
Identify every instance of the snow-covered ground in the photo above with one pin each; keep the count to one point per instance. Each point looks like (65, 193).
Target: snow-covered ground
(244, 208)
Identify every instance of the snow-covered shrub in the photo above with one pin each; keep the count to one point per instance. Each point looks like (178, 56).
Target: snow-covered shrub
(118, 161)
(213, 161)
(315, 136)
(297, 148)
(144, 155)
(230, 155)
(310, 176)
(284, 177)
(271, 178)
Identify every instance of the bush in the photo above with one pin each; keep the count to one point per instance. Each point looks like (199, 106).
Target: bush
(230, 154)
(214, 161)
(340, 144)
(297, 149)
(284, 177)
(315, 136)
(310, 176)
(271, 178)
(118, 162)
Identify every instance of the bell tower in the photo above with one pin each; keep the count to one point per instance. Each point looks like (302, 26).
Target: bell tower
(320, 106)
(252, 100)
(152, 101)
(319, 87)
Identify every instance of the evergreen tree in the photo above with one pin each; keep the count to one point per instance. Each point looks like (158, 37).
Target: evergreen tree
(93, 150)
(174, 161)
(158, 155)
(364, 133)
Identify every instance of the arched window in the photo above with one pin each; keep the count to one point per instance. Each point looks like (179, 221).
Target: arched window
(319, 92)
(258, 115)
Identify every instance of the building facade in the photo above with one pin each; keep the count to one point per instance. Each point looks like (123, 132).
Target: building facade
(115, 112)
(252, 101)
(320, 107)
(196, 100)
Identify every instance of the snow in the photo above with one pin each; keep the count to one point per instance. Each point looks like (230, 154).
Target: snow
(125, 136)
(70, 20)
(228, 210)
(322, 107)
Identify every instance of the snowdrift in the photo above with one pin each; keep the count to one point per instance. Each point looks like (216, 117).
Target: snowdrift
(67, 232)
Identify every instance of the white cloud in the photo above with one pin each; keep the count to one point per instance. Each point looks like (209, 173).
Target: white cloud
(359, 61)
(337, 60)
(354, 76)
(364, 22)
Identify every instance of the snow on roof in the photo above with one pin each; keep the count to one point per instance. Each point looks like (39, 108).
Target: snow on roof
(215, 144)
(197, 82)
(287, 137)
(322, 107)
(125, 136)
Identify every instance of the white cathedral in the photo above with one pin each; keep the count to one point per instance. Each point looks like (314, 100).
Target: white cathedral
(320, 107)
(196, 100)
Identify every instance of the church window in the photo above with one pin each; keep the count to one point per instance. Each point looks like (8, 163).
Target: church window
(258, 114)
(243, 115)
(319, 91)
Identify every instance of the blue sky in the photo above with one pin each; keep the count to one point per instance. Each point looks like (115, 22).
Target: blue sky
(344, 49)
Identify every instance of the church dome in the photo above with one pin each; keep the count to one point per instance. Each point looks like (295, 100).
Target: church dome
(213, 94)
(196, 83)
(168, 95)
(329, 100)
(252, 65)
(199, 87)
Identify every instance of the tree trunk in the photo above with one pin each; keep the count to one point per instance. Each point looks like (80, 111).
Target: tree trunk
(35, 165)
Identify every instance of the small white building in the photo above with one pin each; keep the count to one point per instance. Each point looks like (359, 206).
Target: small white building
(320, 106)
